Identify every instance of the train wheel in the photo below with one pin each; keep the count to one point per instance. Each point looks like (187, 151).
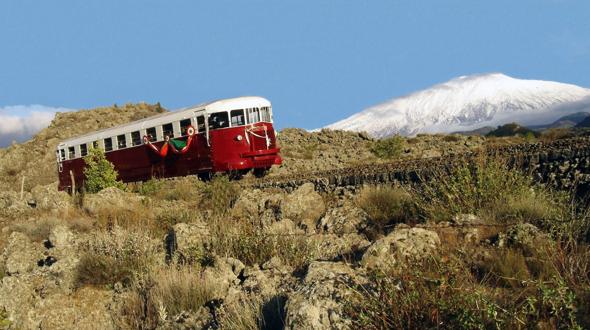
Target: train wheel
(205, 176)
(260, 172)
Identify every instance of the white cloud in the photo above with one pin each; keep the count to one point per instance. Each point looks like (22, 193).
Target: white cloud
(20, 122)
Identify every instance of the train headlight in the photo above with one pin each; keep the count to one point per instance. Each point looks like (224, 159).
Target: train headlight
(239, 137)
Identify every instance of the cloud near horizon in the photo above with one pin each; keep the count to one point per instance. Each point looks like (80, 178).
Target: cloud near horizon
(20, 122)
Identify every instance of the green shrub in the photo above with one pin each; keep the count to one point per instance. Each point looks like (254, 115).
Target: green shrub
(99, 172)
(388, 148)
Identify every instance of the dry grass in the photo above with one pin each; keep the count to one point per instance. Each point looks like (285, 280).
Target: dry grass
(164, 293)
(251, 244)
(387, 206)
(108, 257)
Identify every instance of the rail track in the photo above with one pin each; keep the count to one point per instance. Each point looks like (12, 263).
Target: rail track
(539, 158)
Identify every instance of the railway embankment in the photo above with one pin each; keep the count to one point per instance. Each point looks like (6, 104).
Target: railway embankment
(562, 164)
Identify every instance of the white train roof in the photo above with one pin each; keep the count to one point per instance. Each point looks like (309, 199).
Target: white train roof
(168, 117)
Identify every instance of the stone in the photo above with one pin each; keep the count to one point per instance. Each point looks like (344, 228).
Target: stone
(401, 244)
(305, 207)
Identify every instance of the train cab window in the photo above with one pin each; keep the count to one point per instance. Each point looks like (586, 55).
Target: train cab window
(62, 154)
(108, 144)
(265, 114)
(237, 118)
(71, 153)
(121, 141)
(135, 138)
(168, 130)
(201, 124)
(184, 124)
(218, 120)
(83, 150)
(151, 133)
(253, 115)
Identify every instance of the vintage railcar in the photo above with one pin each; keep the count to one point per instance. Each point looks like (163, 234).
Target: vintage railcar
(232, 135)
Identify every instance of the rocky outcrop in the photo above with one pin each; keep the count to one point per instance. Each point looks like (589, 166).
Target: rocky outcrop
(319, 302)
(403, 243)
(305, 207)
(49, 198)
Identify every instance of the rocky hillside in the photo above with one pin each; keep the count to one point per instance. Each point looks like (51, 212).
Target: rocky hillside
(35, 159)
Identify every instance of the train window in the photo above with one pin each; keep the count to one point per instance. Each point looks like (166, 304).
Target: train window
(168, 130)
(201, 124)
(218, 120)
(151, 133)
(184, 124)
(108, 144)
(253, 115)
(62, 154)
(237, 118)
(121, 141)
(265, 114)
(83, 150)
(135, 138)
(71, 153)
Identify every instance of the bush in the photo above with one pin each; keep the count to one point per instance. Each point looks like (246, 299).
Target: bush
(471, 188)
(115, 256)
(221, 194)
(99, 172)
(440, 294)
(387, 206)
(388, 148)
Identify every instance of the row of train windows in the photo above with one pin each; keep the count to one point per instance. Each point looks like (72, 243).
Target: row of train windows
(216, 120)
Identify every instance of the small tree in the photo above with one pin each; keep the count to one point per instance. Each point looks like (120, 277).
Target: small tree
(99, 172)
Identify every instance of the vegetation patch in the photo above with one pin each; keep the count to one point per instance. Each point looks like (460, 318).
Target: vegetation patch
(388, 148)
(115, 256)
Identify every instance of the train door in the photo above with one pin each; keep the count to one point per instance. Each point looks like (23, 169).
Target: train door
(202, 139)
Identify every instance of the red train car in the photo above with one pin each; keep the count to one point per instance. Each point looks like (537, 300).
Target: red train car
(232, 135)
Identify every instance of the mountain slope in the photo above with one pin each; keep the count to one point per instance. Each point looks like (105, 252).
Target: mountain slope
(470, 102)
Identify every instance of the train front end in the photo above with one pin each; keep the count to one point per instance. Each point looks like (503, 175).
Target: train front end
(242, 136)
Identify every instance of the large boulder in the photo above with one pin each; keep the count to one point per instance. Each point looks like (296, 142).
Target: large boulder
(190, 239)
(259, 205)
(319, 303)
(49, 197)
(347, 219)
(110, 199)
(21, 255)
(401, 244)
(304, 206)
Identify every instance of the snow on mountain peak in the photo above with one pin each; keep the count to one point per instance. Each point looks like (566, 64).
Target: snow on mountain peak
(469, 102)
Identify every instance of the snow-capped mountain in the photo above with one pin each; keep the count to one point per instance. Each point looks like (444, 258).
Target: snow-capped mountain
(470, 102)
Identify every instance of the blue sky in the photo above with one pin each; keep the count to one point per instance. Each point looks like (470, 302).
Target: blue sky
(317, 61)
